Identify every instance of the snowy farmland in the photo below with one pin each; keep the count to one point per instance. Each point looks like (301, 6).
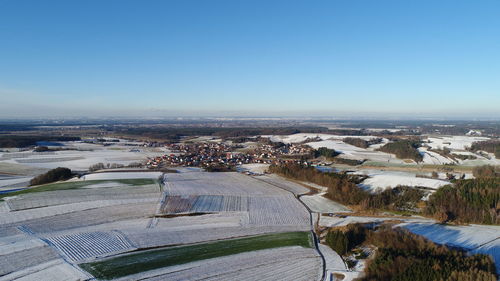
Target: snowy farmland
(384, 179)
(304, 137)
(452, 142)
(286, 263)
(203, 192)
(335, 142)
(320, 204)
(456, 145)
(55, 230)
(76, 155)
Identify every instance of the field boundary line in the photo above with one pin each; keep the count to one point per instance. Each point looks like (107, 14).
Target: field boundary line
(311, 224)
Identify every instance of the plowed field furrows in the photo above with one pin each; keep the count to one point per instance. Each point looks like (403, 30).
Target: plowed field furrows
(277, 210)
(82, 246)
(204, 204)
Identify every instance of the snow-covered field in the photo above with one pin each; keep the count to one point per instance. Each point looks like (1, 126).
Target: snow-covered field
(287, 263)
(204, 204)
(452, 142)
(122, 175)
(464, 236)
(86, 245)
(9, 182)
(335, 142)
(163, 236)
(203, 183)
(319, 204)
(477, 239)
(282, 183)
(457, 145)
(254, 168)
(20, 167)
(301, 137)
(433, 158)
(383, 179)
(111, 191)
(53, 270)
(335, 221)
(80, 155)
(391, 180)
(43, 234)
(356, 153)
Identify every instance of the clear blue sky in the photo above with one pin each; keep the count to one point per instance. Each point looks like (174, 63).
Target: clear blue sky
(234, 57)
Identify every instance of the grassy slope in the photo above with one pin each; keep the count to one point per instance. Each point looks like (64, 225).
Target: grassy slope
(76, 185)
(153, 259)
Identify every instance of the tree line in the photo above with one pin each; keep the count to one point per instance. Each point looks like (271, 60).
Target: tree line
(26, 141)
(492, 146)
(174, 134)
(467, 201)
(464, 201)
(343, 188)
(404, 256)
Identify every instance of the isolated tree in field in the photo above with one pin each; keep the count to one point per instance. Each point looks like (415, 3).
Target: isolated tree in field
(57, 174)
(326, 152)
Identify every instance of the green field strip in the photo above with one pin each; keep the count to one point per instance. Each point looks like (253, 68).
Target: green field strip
(153, 259)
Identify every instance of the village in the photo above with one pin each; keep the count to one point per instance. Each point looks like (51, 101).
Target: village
(228, 156)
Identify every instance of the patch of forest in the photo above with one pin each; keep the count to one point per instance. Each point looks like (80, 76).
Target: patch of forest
(401, 255)
(57, 174)
(325, 152)
(492, 146)
(361, 142)
(467, 201)
(404, 149)
(26, 141)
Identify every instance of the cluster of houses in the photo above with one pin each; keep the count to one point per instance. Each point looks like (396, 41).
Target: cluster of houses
(274, 151)
(216, 154)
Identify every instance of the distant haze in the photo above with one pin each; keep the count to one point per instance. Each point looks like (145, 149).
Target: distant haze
(391, 59)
